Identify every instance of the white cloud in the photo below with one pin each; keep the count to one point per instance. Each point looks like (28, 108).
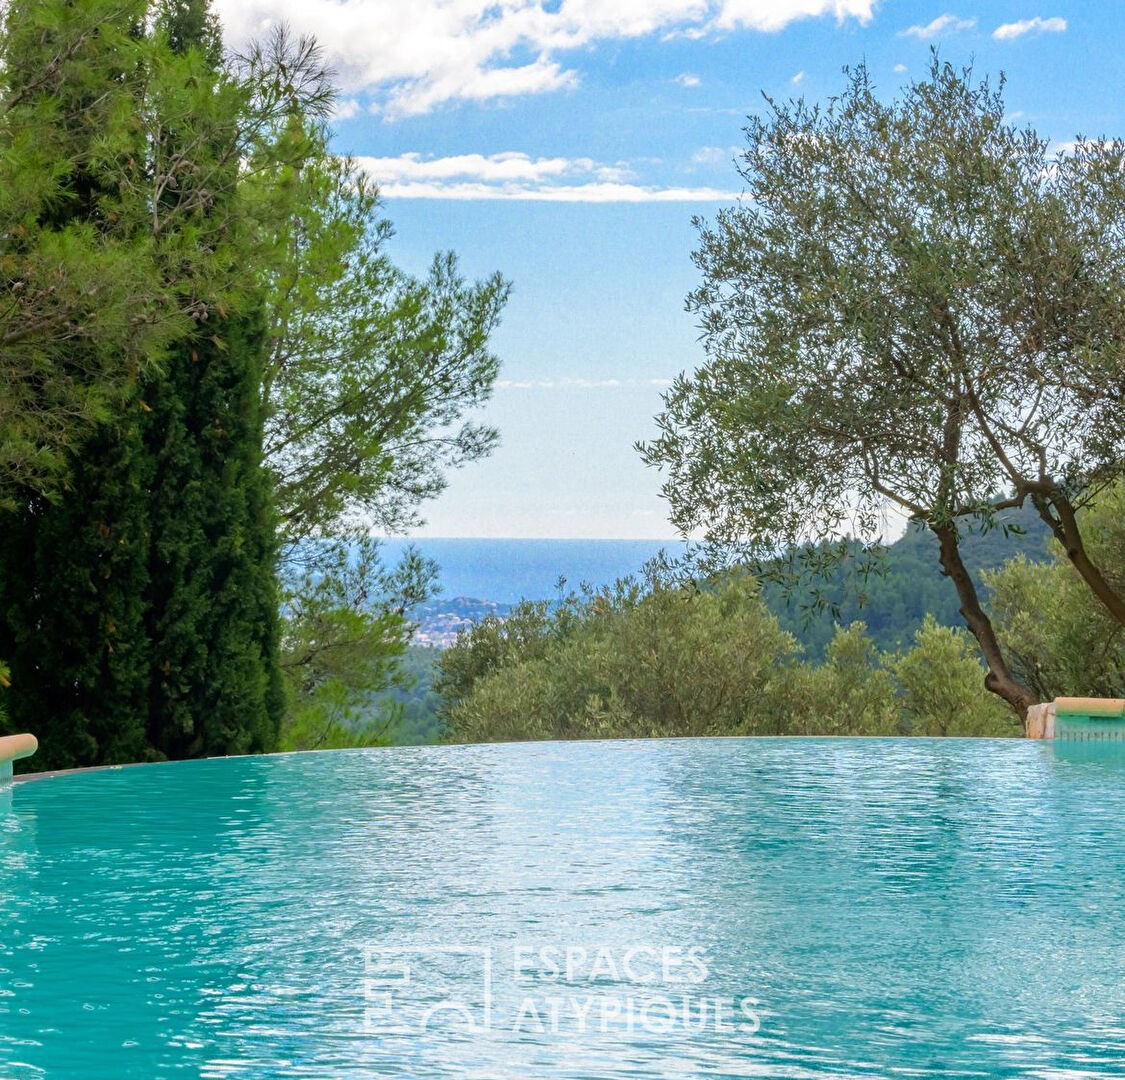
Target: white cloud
(1036, 25)
(410, 58)
(495, 168)
(714, 155)
(771, 15)
(900, 68)
(687, 80)
(346, 108)
(513, 175)
(798, 78)
(943, 24)
(586, 193)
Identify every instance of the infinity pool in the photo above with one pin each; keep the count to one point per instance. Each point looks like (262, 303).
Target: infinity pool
(685, 908)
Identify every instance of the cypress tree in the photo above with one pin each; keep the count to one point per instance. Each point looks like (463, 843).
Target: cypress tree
(212, 599)
(72, 582)
(212, 602)
(138, 613)
(73, 572)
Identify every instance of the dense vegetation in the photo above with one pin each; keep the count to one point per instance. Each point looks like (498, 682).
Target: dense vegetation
(659, 658)
(1060, 638)
(217, 387)
(415, 706)
(662, 658)
(893, 604)
(904, 586)
(214, 382)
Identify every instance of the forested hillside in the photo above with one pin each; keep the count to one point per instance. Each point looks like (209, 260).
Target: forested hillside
(894, 602)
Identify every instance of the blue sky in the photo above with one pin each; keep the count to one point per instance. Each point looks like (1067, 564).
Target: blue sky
(569, 143)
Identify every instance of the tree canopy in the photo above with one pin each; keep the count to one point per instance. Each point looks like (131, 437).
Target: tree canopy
(210, 357)
(108, 249)
(370, 371)
(916, 306)
(1061, 640)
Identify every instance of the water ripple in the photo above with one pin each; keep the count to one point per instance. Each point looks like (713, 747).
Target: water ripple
(860, 909)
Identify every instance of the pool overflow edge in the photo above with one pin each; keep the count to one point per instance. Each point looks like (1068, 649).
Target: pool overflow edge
(1082, 719)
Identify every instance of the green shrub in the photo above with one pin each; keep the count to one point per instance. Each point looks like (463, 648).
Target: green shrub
(630, 660)
(661, 658)
(849, 694)
(941, 686)
(1059, 637)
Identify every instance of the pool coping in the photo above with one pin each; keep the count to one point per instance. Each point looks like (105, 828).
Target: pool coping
(50, 774)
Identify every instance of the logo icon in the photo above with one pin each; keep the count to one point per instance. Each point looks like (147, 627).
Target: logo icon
(412, 989)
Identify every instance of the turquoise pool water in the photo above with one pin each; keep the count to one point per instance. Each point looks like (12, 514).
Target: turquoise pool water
(768, 908)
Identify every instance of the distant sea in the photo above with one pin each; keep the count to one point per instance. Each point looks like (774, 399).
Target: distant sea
(507, 571)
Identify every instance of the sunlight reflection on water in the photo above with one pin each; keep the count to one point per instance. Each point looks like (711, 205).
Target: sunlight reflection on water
(916, 908)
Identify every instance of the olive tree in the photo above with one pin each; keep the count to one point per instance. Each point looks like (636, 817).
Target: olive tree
(1059, 638)
(915, 306)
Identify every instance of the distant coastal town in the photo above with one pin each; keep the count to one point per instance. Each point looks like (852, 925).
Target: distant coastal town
(441, 620)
